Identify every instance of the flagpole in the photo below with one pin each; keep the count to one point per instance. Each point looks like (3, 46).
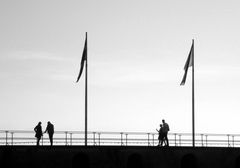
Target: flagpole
(86, 95)
(193, 98)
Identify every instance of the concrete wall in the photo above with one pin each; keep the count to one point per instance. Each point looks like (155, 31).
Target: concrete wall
(118, 157)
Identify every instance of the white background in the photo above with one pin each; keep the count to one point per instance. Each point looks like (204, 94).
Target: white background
(136, 51)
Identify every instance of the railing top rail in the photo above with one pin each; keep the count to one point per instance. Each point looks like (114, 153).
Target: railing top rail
(123, 133)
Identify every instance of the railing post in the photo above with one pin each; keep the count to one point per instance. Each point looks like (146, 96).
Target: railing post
(180, 140)
(66, 138)
(175, 139)
(121, 138)
(12, 137)
(233, 140)
(228, 140)
(153, 139)
(202, 139)
(99, 139)
(94, 142)
(148, 139)
(126, 139)
(71, 138)
(206, 140)
(6, 137)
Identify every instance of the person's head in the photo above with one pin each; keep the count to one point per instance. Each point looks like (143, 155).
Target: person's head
(49, 122)
(39, 123)
(163, 121)
(160, 125)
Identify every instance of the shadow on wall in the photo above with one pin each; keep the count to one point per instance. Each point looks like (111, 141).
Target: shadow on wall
(135, 161)
(80, 160)
(189, 161)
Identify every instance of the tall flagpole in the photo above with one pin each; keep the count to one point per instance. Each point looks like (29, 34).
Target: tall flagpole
(193, 98)
(86, 84)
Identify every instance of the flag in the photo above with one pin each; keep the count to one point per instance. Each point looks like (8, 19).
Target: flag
(188, 64)
(84, 58)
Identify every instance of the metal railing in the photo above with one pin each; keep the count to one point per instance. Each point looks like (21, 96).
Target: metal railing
(21, 137)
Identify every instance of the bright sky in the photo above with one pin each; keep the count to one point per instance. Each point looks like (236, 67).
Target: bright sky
(136, 51)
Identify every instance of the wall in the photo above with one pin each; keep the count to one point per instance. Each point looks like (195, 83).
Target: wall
(118, 157)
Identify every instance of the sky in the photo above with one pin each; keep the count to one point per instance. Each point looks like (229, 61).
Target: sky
(136, 53)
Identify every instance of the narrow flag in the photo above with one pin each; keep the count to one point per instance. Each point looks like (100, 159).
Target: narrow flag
(84, 57)
(187, 64)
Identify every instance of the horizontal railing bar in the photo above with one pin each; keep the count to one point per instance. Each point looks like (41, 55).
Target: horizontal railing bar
(132, 133)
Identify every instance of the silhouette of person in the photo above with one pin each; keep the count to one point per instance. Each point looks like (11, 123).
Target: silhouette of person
(165, 132)
(50, 130)
(38, 132)
(160, 135)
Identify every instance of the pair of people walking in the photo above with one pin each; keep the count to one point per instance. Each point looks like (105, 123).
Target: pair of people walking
(162, 134)
(39, 133)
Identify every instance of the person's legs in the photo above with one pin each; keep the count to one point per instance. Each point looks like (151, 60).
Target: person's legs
(38, 139)
(166, 138)
(51, 139)
(161, 140)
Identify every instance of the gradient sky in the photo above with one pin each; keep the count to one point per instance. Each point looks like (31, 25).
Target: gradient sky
(136, 51)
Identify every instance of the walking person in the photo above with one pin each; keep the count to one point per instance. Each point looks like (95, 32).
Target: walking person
(38, 132)
(160, 135)
(165, 132)
(50, 131)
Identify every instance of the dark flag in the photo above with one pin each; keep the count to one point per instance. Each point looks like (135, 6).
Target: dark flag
(188, 64)
(84, 58)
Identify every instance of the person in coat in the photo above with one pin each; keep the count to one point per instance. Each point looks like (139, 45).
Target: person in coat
(50, 131)
(38, 132)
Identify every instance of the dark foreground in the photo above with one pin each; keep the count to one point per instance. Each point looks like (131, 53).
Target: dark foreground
(118, 157)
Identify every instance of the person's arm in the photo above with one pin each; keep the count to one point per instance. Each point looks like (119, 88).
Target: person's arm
(168, 127)
(46, 130)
